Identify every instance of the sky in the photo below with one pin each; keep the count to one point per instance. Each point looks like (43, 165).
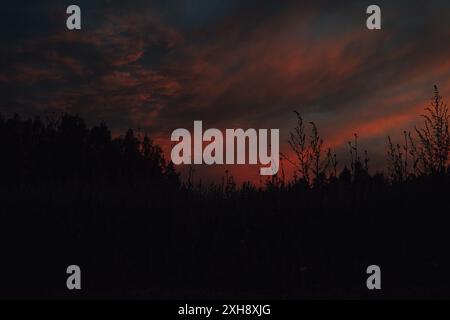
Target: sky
(159, 65)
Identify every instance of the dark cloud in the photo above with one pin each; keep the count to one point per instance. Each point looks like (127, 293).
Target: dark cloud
(159, 65)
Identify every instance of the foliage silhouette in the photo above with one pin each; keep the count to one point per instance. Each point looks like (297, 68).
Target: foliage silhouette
(71, 194)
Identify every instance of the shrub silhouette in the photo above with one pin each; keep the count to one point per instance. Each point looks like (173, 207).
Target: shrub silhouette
(434, 137)
(311, 163)
(429, 151)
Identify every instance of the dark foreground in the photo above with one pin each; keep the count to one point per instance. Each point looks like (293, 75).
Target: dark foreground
(72, 195)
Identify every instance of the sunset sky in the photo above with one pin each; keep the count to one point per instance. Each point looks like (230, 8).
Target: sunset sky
(160, 65)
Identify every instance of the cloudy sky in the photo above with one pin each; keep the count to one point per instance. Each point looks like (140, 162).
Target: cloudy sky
(160, 65)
